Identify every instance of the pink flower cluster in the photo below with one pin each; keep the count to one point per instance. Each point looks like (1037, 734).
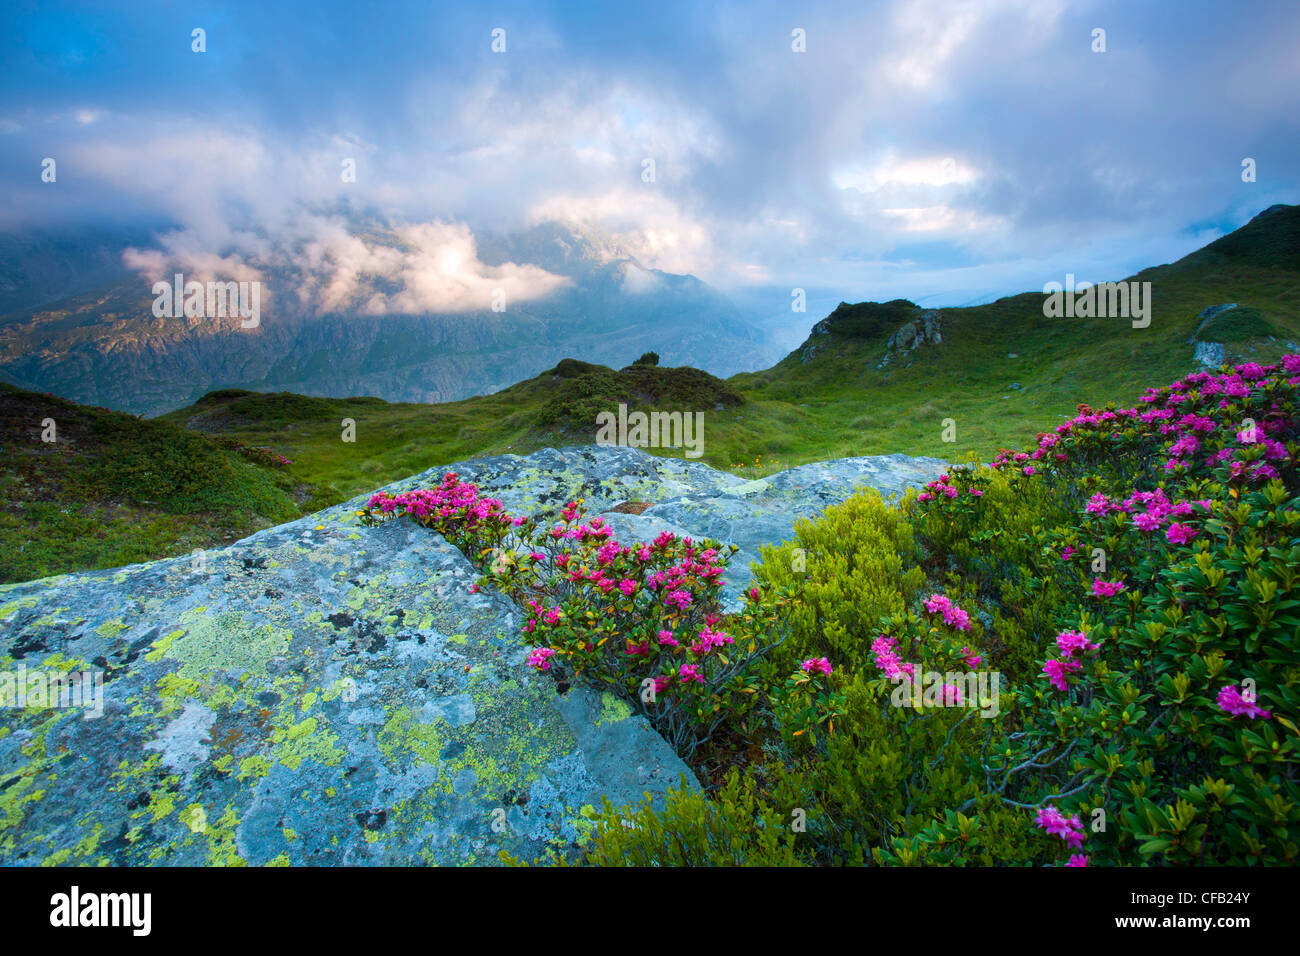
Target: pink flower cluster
(940, 486)
(540, 658)
(817, 665)
(887, 660)
(710, 639)
(1069, 829)
(450, 500)
(1156, 508)
(1059, 669)
(953, 616)
(1231, 700)
(1105, 589)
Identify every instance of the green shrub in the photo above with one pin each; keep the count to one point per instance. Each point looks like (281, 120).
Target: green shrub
(738, 827)
(854, 565)
(1104, 670)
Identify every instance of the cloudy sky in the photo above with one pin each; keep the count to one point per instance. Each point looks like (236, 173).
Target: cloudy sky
(945, 150)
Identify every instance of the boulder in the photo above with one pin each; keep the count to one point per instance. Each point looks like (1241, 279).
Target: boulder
(323, 693)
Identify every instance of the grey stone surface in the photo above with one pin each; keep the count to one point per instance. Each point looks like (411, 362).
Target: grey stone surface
(326, 693)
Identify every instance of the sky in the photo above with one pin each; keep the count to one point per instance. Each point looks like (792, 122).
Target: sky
(945, 151)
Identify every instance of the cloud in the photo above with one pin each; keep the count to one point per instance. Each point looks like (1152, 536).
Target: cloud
(942, 142)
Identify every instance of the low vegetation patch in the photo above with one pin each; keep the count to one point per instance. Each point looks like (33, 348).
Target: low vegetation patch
(90, 488)
(1083, 654)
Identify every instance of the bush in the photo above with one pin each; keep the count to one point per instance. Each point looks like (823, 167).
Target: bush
(1084, 653)
(643, 620)
(648, 358)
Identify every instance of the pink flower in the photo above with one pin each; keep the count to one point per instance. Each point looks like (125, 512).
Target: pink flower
(540, 658)
(817, 665)
(1231, 700)
(886, 658)
(691, 672)
(1057, 672)
(682, 599)
(1146, 522)
(1069, 829)
(1179, 533)
(1069, 552)
(1077, 859)
(1098, 504)
(1071, 641)
(627, 586)
(667, 640)
(1107, 588)
(953, 616)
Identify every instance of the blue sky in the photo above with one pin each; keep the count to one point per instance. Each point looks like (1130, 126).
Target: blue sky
(943, 150)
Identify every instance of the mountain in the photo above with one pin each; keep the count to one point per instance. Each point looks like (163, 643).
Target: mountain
(104, 346)
(870, 379)
(41, 266)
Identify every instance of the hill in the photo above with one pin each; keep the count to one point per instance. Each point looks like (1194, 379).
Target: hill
(109, 489)
(870, 379)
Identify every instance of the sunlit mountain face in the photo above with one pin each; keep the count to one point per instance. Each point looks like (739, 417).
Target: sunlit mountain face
(406, 313)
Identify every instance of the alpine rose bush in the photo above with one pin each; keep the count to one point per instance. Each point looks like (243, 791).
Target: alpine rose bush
(643, 619)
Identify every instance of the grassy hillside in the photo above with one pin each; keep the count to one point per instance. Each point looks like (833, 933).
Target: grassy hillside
(836, 402)
(1002, 373)
(112, 489)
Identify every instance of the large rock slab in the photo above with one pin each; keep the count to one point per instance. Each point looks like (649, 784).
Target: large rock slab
(686, 497)
(322, 693)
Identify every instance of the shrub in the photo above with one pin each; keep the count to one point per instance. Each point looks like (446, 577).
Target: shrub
(641, 619)
(1133, 583)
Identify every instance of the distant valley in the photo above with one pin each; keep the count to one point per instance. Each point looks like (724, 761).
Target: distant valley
(104, 346)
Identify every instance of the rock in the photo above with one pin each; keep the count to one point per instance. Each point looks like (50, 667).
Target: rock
(925, 329)
(337, 697)
(1210, 354)
(1208, 313)
(1015, 387)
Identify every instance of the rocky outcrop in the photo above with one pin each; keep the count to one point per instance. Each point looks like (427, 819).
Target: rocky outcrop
(326, 693)
(1210, 354)
(925, 329)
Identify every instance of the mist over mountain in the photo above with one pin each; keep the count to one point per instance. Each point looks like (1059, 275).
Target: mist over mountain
(351, 307)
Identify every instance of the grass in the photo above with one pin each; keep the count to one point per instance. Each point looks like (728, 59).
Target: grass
(191, 487)
(112, 489)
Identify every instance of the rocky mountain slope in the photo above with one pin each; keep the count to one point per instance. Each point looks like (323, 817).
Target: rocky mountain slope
(105, 347)
(327, 693)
